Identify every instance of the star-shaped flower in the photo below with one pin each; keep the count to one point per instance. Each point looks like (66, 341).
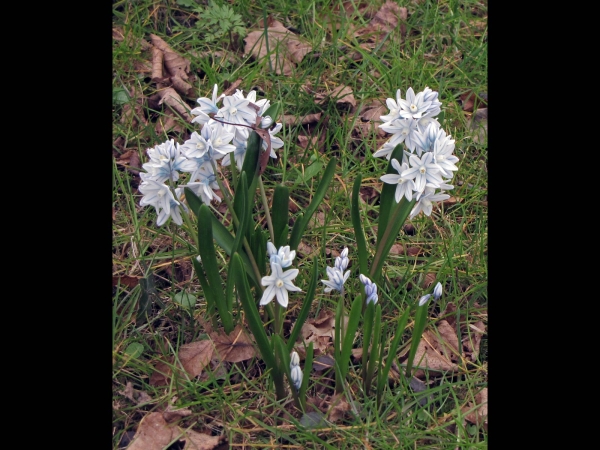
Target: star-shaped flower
(278, 284)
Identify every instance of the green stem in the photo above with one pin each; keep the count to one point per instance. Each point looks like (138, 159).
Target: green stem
(265, 203)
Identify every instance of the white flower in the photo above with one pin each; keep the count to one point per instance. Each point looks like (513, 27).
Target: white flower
(166, 161)
(238, 154)
(278, 284)
(207, 106)
(294, 359)
(437, 291)
(370, 289)
(424, 299)
(160, 196)
(236, 110)
(196, 146)
(394, 107)
(283, 256)
(425, 202)
(296, 376)
(336, 281)
(206, 184)
(423, 170)
(275, 141)
(404, 186)
(403, 130)
(415, 105)
(442, 154)
(341, 262)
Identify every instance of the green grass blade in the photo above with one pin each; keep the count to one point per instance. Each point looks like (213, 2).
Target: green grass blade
(280, 211)
(302, 221)
(308, 299)
(361, 244)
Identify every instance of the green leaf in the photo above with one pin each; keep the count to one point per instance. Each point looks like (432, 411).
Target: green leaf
(211, 267)
(383, 374)
(185, 299)
(280, 210)
(302, 220)
(274, 110)
(120, 96)
(420, 322)
(134, 350)
(211, 308)
(308, 299)
(361, 243)
(387, 199)
(193, 201)
(374, 350)
(348, 341)
(311, 171)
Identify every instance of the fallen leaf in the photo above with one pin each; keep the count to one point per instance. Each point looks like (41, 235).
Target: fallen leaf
(171, 415)
(285, 48)
(172, 99)
(468, 100)
(201, 441)
(436, 356)
(322, 362)
(472, 340)
(338, 408)
(193, 358)
(176, 65)
(126, 280)
(397, 249)
(343, 97)
(153, 433)
(291, 119)
(478, 416)
(479, 123)
(373, 111)
(235, 347)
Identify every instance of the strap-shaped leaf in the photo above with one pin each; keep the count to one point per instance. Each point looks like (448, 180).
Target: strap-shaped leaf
(420, 322)
(383, 374)
(211, 267)
(374, 350)
(348, 340)
(387, 199)
(308, 299)
(280, 210)
(361, 244)
(302, 221)
(193, 200)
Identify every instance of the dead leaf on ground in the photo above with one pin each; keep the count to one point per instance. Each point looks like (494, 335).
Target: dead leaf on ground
(321, 332)
(468, 100)
(235, 347)
(290, 119)
(472, 340)
(154, 433)
(373, 111)
(338, 408)
(479, 124)
(438, 354)
(172, 99)
(343, 97)
(285, 48)
(136, 396)
(397, 249)
(193, 357)
(479, 415)
(172, 414)
(176, 66)
(125, 280)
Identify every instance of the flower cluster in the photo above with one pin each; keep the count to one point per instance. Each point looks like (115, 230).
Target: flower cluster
(224, 130)
(295, 370)
(428, 164)
(337, 276)
(279, 282)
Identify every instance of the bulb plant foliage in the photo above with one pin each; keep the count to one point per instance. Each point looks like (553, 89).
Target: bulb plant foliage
(184, 182)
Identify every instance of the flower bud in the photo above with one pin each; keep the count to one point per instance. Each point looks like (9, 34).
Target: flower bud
(437, 291)
(424, 299)
(296, 376)
(266, 122)
(294, 360)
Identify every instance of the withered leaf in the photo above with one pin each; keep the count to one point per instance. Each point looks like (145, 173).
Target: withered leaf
(322, 362)
(175, 64)
(385, 20)
(472, 339)
(479, 415)
(126, 280)
(437, 357)
(235, 347)
(373, 111)
(172, 99)
(193, 357)
(201, 441)
(290, 119)
(338, 408)
(343, 97)
(285, 48)
(153, 433)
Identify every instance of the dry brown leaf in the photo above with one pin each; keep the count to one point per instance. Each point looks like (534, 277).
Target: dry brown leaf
(290, 119)
(201, 441)
(157, 65)
(385, 20)
(428, 280)
(171, 415)
(126, 280)
(431, 354)
(397, 249)
(172, 99)
(235, 347)
(373, 111)
(343, 97)
(193, 357)
(479, 415)
(472, 340)
(338, 408)
(175, 64)
(153, 433)
(285, 48)
(323, 362)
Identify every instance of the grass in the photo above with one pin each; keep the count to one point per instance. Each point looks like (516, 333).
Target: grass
(444, 48)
